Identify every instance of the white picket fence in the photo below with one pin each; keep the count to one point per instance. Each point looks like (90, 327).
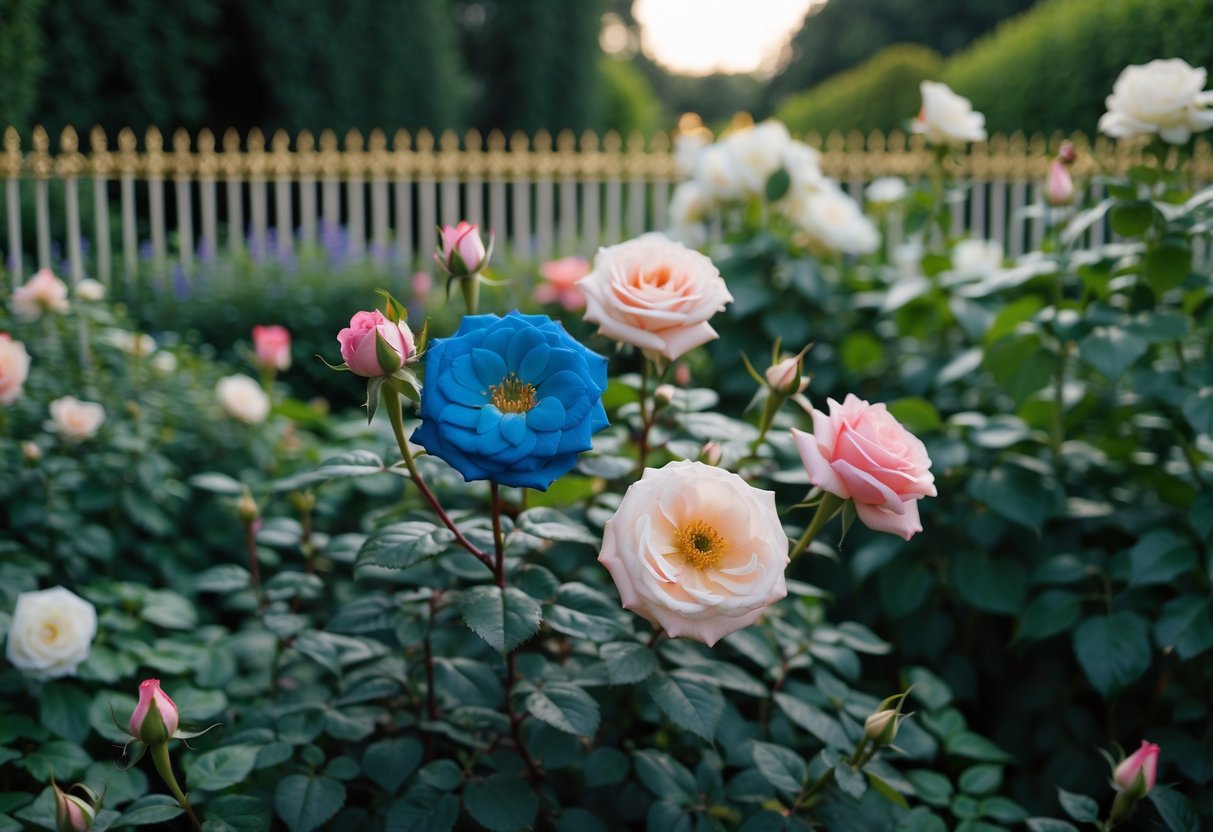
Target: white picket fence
(175, 208)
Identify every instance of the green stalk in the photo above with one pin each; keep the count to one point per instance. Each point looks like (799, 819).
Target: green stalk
(470, 286)
(164, 766)
(829, 506)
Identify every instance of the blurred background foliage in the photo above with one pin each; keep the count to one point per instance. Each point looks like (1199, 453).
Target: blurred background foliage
(530, 64)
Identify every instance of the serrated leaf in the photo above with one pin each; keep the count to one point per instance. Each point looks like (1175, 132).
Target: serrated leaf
(816, 722)
(1175, 809)
(304, 803)
(583, 612)
(237, 813)
(423, 809)
(152, 808)
(566, 707)
(783, 768)
(504, 619)
(402, 545)
(550, 524)
(1186, 626)
(501, 802)
(1159, 556)
(1113, 650)
(351, 464)
(1078, 806)
(605, 766)
(390, 762)
(220, 768)
(690, 703)
(664, 776)
(628, 662)
(64, 711)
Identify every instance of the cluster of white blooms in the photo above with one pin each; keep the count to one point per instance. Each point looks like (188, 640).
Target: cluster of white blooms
(736, 169)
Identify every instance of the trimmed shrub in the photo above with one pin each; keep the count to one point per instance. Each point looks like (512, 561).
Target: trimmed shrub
(880, 94)
(630, 102)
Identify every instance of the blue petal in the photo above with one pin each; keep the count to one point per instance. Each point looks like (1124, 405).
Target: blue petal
(471, 323)
(547, 415)
(498, 340)
(575, 440)
(488, 366)
(523, 342)
(489, 418)
(460, 393)
(563, 358)
(546, 444)
(464, 417)
(565, 385)
(598, 418)
(513, 456)
(534, 364)
(513, 428)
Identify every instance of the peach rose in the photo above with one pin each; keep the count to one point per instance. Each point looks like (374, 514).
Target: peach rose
(696, 550)
(41, 293)
(860, 452)
(14, 368)
(75, 420)
(561, 287)
(655, 294)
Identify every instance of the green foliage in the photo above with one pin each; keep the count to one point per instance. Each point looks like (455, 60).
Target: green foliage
(629, 101)
(880, 94)
(21, 59)
(1050, 68)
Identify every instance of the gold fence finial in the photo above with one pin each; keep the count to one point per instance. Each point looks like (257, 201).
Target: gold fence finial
(13, 161)
(40, 159)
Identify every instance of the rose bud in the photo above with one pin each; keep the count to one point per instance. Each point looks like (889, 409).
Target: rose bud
(1138, 772)
(881, 727)
(272, 346)
(372, 344)
(711, 453)
(682, 375)
(1059, 189)
(784, 376)
(246, 507)
(664, 394)
(72, 814)
(155, 718)
(1067, 153)
(463, 252)
(31, 452)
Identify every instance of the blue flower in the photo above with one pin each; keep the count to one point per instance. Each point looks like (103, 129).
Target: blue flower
(512, 399)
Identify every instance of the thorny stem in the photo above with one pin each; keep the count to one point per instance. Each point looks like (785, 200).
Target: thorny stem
(829, 506)
(646, 417)
(164, 766)
(391, 402)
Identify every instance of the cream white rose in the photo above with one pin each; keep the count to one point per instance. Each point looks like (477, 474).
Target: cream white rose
(14, 369)
(803, 164)
(976, 259)
(89, 289)
(51, 633)
(886, 190)
(689, 204)
(758, 152)
(719, 174)
(696, 550)
(688, 146)
(948, 118)
(1166, 97)
(242, 398)
(833, 220)
(41, 293)
(655, 294)
(74, 420)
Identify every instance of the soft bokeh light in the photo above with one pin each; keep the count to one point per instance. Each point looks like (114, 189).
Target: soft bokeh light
(699, 37)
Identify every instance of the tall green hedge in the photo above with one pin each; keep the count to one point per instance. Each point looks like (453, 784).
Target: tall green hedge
(20, 59)
(1051, 68)
(880, 94)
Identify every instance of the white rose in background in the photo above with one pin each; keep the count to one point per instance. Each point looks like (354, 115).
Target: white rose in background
(696, 550)
(138, 344)
(688, 146)
(803, 164)
(833, 220)
(41, 293)
(14, 369)
(907, 259)
(758, 152)
(886, 190)
(947, 118)
(242, 398)
(89, 289)
(1166, 97)
(51, 633)
(689, 204)
(164, 362)
(718, 173)
(74, 420)
(976, 259)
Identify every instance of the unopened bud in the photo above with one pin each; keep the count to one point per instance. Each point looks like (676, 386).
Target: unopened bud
(247, 508)
(881, 727)
(31, 452)
(664, 394)
(711, 453)
(682, 375)
(1059, 189)
(1138, 772)
(155, 718)
(784, 376)
(1067, 153)
(72, 814)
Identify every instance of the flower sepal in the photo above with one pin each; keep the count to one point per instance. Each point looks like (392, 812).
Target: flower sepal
(72, 813)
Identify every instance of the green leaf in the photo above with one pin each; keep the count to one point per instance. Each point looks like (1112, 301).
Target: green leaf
(628, 662)
(566, 707)
(1003, 810)
(223, 579)
(783, 768)
(1020, 364)
(975, 747)
(665, 777)
(1111, 350)
(920, 819)
(1175, 809)
(691, 704)
(980, 780)
(1049, 825)
(167, 609)
(605, 766)
(583, 612)
(304, 803)
(237, 813)
(777, 185)
(1131, 219)
(351, 464)
(1198, 410)
(816, 722)
(991, 584)
(220, 768)
(931, 787)
(423, 809)
(887, 791)
(1113, 650)
(1049, 613)
(58, 758)
(217, 483)
(851, 782)
(65, 711)
(1078, 806)
(1159, 556)
(1168, 264)
(501, 802)
(1014, 492)
(1186, 626)
(402, 545)
(390, 762)
(394, 310)
(550, 524)
(503, 619)
(152, 808)
(917, 414)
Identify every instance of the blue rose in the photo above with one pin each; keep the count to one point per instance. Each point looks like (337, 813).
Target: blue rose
(512, 399)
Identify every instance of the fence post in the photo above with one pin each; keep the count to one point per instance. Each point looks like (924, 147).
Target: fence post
(13, 166)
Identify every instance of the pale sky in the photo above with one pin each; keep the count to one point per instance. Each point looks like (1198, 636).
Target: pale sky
(699, 37)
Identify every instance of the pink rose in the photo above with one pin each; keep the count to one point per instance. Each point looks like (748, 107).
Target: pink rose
(14, 368)
(155, 718)
(655, 294)
(74, 420)
(358, 343)
(696, 550)
(421, 284)
(1059, 189)
(272, 345)
(561, 287)
(860, 452)
(71, 812)
(463, 252)
(41, 293)
(1141, 763)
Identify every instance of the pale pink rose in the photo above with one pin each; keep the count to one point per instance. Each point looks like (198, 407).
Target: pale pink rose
(785, 376)
(74, 420)
(242, 398)
(682, 375)
(272, 345)
(860, 452)
(421, 284)
(463, 252)
(358, 343)
(1059, 189)
(696, 550)
(561, 287)
(152, 732)
(41, 293)
(1143, 761)
(655, 294)
(14, 368)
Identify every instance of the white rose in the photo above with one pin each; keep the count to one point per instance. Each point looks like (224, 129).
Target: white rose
(89, 289)
(689, 204)
(907, 259)
(719, 174)
(803, 164)
(687, 147)
(14, 369)
(242, 398)
(976, 259)
(696, 550)
(947, 118)
(41, 293)
(886, 190)
(758, 152)
(74, 420)
(136, 344)
(655, 294)
(1166, 97)
(164, 362)
(833, 220)
(51, 633)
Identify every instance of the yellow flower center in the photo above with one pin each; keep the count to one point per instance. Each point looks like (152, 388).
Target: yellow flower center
(48, 633)
(512, 395)
(700, 545)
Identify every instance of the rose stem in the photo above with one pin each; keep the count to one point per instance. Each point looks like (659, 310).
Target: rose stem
(829, 506)
(163, 765)
(250, 542)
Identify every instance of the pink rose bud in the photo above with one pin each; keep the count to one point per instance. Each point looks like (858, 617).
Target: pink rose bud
(1066, 153)
(1138, 772)
(1059, 190)
(463, 252)
(664, 394)
(31, 452)
(421, 284)
(682, 375)
(155, 718)
(784, 376)
(272, 345)
(711, 453)
(72, 814)
(371, 336)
